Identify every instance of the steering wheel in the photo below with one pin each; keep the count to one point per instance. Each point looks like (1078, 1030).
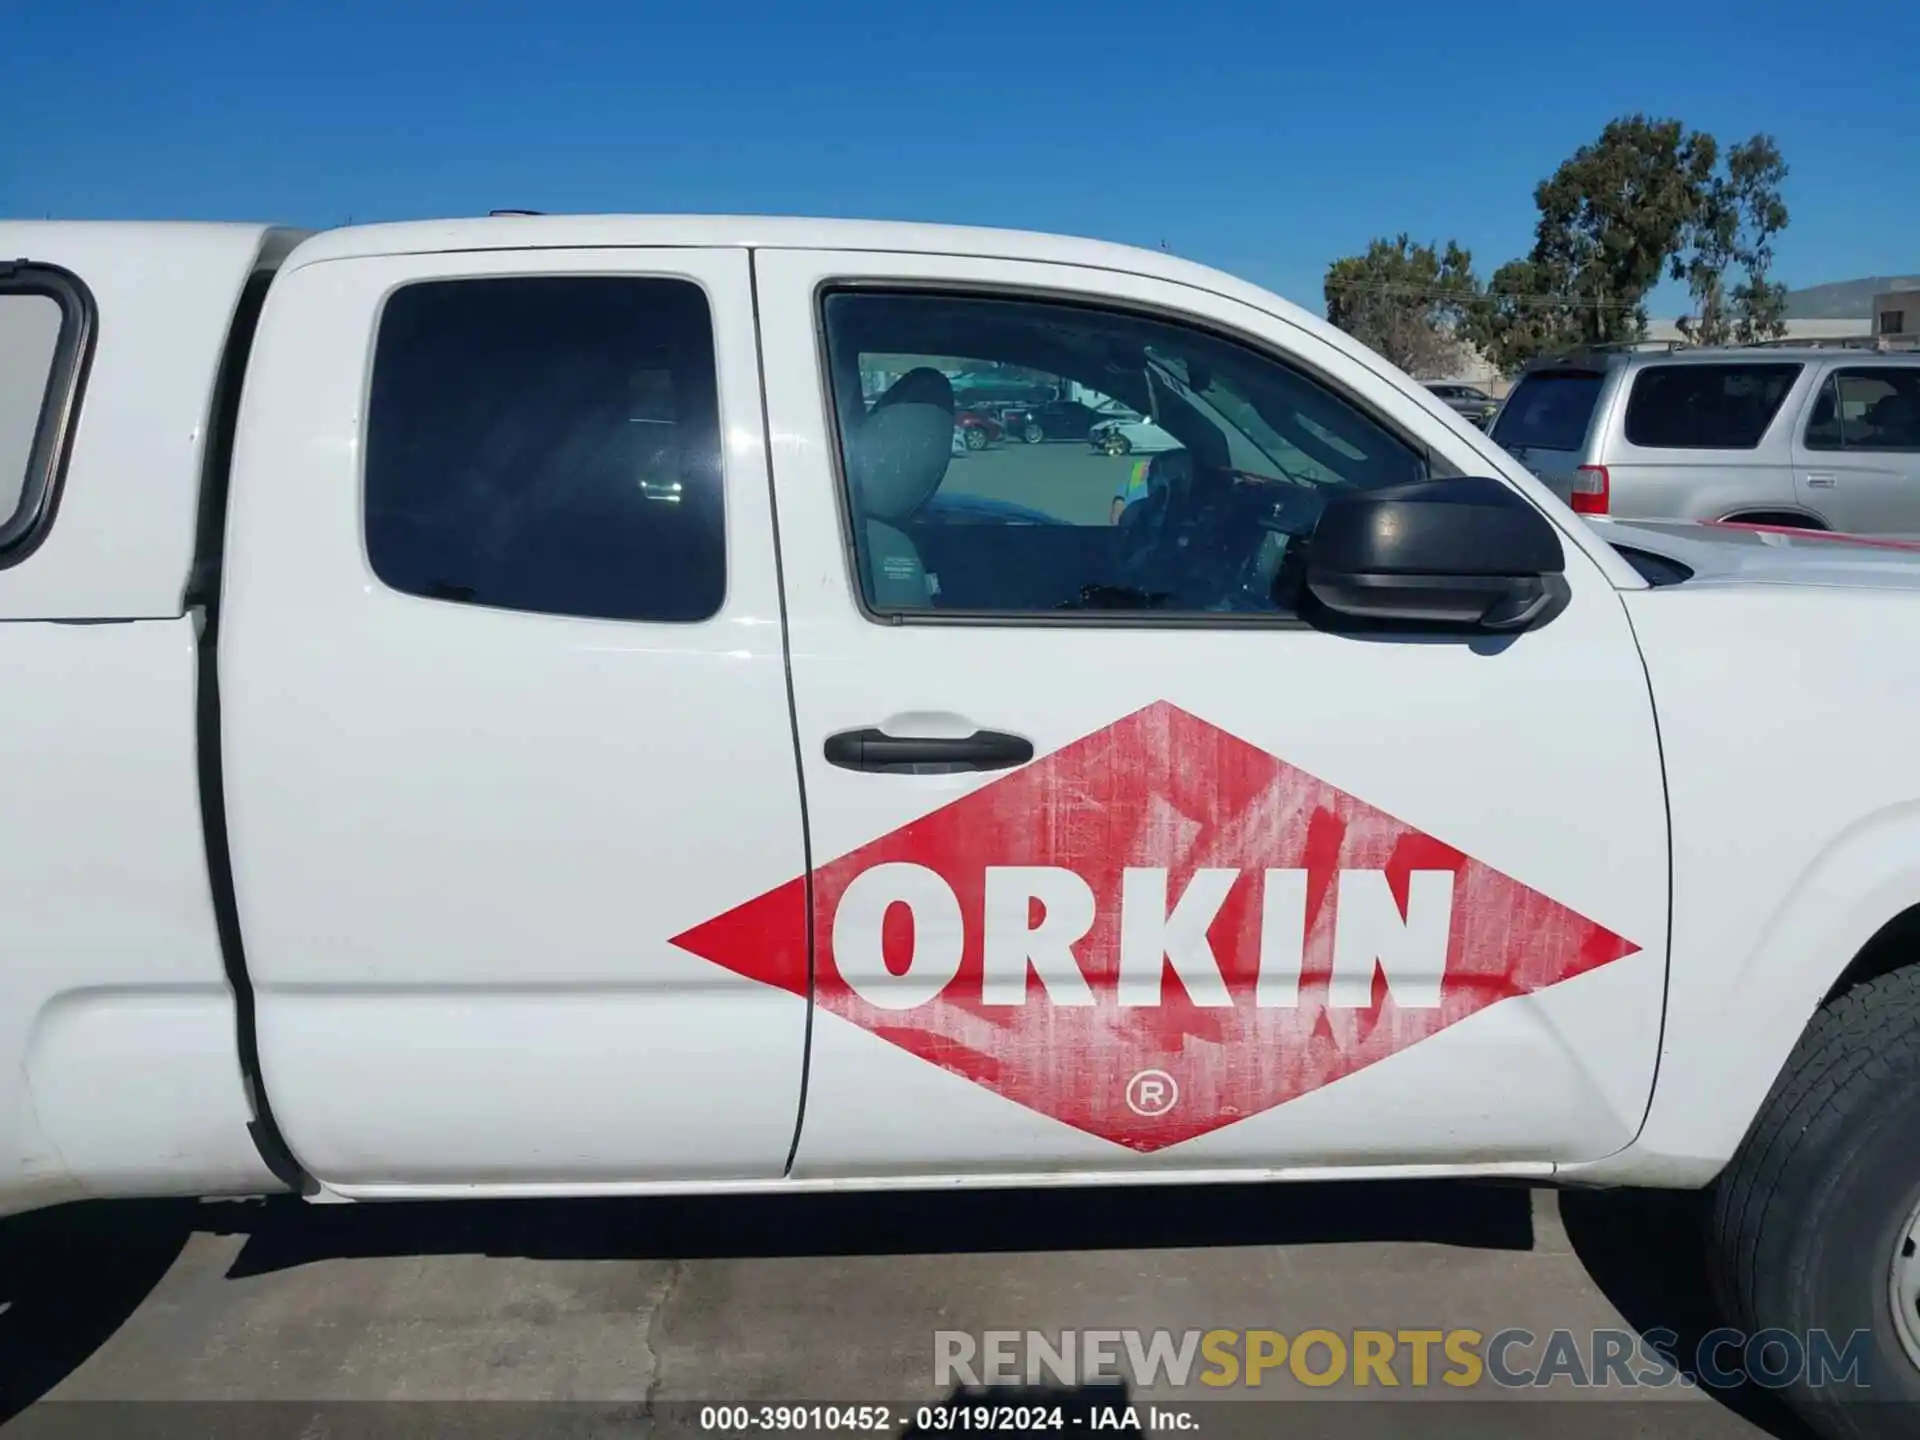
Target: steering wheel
(1207, 539)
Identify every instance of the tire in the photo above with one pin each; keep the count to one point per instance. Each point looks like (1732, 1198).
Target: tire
(976, 438)
(1808, 1217)
(1116, 445)
(1032, 433)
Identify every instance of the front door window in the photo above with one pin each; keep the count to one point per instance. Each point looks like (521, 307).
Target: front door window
(1203, 464)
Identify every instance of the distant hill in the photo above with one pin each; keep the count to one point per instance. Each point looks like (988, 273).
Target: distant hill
(1845, 299)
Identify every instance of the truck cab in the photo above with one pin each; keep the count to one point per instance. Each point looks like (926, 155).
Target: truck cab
(509, 746)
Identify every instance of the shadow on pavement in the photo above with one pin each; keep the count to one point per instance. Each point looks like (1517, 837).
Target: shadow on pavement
(69, 1278)
(1646, 1250)
(284, 1233)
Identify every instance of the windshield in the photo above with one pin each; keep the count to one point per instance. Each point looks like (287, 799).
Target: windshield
(1549, 410)
(1254, 447)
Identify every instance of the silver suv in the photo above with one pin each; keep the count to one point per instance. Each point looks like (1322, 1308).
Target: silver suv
(1826, 438)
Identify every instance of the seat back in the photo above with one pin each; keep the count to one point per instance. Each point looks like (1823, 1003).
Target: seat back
(896, 458)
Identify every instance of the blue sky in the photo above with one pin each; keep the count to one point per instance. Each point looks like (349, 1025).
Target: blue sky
(1263, 138)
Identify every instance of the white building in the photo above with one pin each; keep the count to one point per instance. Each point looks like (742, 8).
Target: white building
(1796, 329)
(1896, 315)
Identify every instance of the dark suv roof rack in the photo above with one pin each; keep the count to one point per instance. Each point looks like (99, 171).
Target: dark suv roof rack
(1601, 353)
(1836, 342)
(1627, 347)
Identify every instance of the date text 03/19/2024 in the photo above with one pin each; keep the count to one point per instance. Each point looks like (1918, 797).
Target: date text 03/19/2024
(950, 1416)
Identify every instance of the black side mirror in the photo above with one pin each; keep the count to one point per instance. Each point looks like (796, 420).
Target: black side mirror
(1462, 554)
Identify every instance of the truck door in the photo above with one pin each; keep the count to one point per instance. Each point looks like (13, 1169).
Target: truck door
(1115, 863)
(504, 711)
(1857, 456)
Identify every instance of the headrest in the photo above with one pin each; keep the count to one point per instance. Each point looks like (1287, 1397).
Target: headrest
(898, 456)
(921, 386)
(1171, 470)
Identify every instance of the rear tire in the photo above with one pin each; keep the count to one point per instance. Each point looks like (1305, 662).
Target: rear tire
(1813, 1218)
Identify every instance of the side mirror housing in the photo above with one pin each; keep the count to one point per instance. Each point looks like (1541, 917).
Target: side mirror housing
(1460, 554)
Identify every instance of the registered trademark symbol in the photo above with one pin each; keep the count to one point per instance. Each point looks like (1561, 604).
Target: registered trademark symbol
(1151, 1093)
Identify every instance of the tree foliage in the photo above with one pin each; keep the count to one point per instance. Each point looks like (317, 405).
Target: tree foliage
(1520, 315)
(1647, 199)
(1404, 300)
(1614, 215)
(1740, 213)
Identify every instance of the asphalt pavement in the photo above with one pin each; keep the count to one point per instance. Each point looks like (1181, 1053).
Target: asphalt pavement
(589, 1318)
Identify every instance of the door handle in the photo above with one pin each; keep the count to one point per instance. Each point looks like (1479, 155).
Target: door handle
(876, 750)
(1820, 481)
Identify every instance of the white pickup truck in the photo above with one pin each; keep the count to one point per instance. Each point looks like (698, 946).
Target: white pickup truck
(497, 708)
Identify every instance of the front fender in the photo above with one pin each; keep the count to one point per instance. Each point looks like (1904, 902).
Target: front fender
(1794, 805)
(1732, 1020)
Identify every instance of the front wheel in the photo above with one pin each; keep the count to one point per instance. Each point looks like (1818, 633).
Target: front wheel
(1032, 433)
(976, 438)
(1816, 1226)
(1115, 444)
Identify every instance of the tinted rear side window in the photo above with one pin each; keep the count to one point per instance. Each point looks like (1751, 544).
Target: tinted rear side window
(46, 321)
(549, 444)
(1706, 407)
(1549, 410)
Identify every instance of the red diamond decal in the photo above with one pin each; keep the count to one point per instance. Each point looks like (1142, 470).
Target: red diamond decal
(1156, 931)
